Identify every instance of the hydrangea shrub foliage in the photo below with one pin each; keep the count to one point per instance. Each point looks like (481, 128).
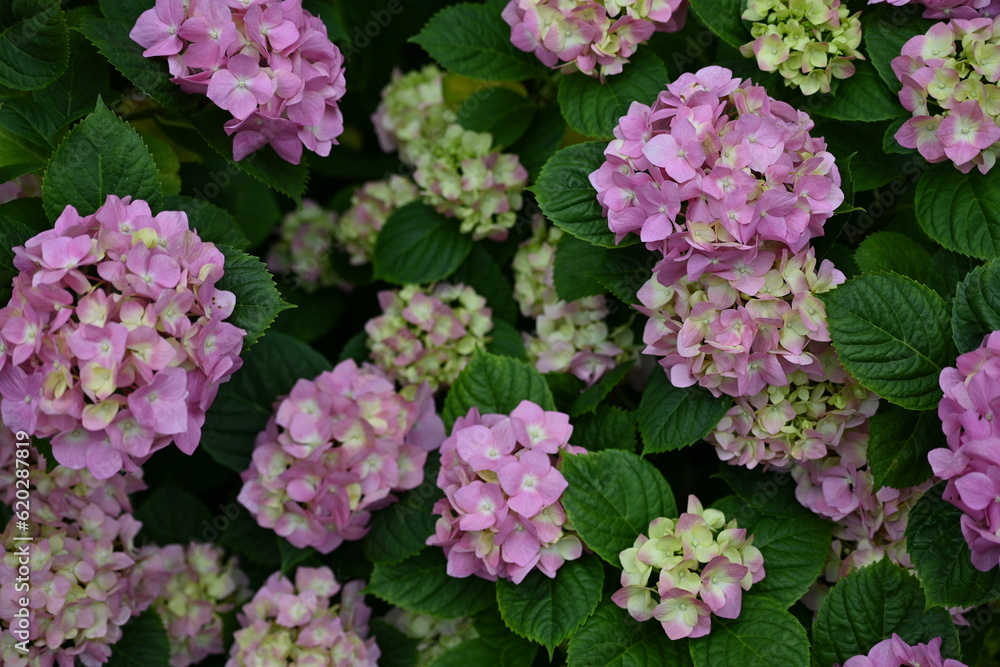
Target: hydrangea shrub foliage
(516, 332)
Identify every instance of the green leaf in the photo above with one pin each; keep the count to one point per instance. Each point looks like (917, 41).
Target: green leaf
(401, 530)
(567, 198)
(961, 211)
(941, 556)
(895, 252)
(594, 395)
(264, 165)
(593, 108)
(892, 334)
(771, 493)
(292, 556)
(886, 30)
(764, 635)
(672, 418)
(889, 143)
(209, 221)
(143, 644)
(898, 446)
(499, 111)
(474, 41)
(12, 234)
(948, 269)
(608, 428)
(541, 140)
(723, 18)
(509, 649)
(422, 584)
(167, 164)
(612, 638)
(171, 515)
(495, 385)
(794, 554)
(102, 155)
(571, 270)
(419, 245)
(257, 299)
(397, 650)
(245, 403)
(480, 652)
(34, 44)
(482, 273)
(150, 75)
(976, 309)
(506, 341)
(625, 270)
(863, 97)
(549, 610)
(612, 497)
(871, 604)
(244, 536)
(314, 315)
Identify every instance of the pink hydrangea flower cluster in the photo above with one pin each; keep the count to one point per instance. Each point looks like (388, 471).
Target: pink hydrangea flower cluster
(267, 62)
(371, 206)
(83, 588)
(456, 169)
(596, 37)
(704, 565)
(571, 337)
(298, 624)
(19, 188)
(113, 343)
(804, 421)
(950, 84)
(970, 414)
(301, 254)
(870, 522)
(428, 334)
(199, 587)
(950, 9)
(336, 448)
(501, 516)
(729, 186)
(894, 652)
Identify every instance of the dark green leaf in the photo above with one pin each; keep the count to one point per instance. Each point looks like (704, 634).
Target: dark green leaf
(482, 273)
(770, 493)
(898, 446)
(764, 635)
(612, 497)
(794, 554)
(34, 44)
(419, 245)
(625, 270)
(608, 428)
(961, 211)
(975, 312)
(506, 341)
(723, 18)
(143, 644)
(895, 252)
(540, 140)
(612, 638)
(396, 649)
(12, 235)
(575, 259)
(257, 299)
(892, 334)
(211, 222)
(886, 30)
(495, 385)
(499, 111)
(594, 395)
(672, 418)
(862, 97)
(422, 584)
(592, 107)
(292, 556)
(401, 530)
(171, 515)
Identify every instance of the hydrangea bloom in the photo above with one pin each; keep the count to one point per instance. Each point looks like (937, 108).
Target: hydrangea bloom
(596, 38)
(371, 206)
(949, 78)
(804, 421)
(336, 448)
(200, 586)
(82, 558)
(434, 635)
(704, 566)
(951, 9)
(113, 342)
(269, 63)
(298, 624)
(428, 334)
(302, 251)
(456, 169)
(501, 516)
(21, 187)
(572, 336)
(809, 43)
(894, 652)
(969, 411)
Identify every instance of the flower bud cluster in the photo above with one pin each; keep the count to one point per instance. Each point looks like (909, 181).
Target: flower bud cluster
(501, 516)
(457, 170)
(950, 83)
(596, 38)
(371, 206)
(573, 336)
(729, 186)
(428, 334)
(113, 343)
(703, 563)
(337, 448)
(302, 251)
(970, 414)
(808, 42)
(297, 624)
(269, 63)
